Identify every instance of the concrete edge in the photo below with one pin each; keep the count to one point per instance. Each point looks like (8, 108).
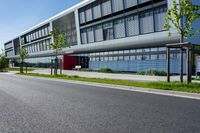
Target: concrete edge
(195, 96)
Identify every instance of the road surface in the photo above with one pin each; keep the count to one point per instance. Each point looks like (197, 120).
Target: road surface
(32, 105)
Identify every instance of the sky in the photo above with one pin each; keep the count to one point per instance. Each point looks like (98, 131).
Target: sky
(17, 16)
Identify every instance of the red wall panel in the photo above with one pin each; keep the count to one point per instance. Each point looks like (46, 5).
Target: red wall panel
(69, 62)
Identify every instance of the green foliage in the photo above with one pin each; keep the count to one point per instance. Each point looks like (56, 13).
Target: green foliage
(105, 70)
(153, 73)
(181, 16)
(4, 63)
(23, 54)
(59, 40)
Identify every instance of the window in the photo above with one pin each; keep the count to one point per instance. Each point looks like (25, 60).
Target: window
(106, 8)
(146, 22)
(132, 51)
(154, 57)
(154, 49)
(119, 28)
(98, 33)
(139, 50)
(115, 58)
(139, 57)
(132, 57)
(132, 25)
(126, 58)
(83, 36)
(90, 34)
(36, 34)
(82, 17)
(159, 17)
(130, 3)
(47, 31)
(121, 58)
(88, 13)
(117, 5)
(143, 1)
(110, 58)
(146, 50)
(108, 31)
(97, 11)
(145, 57)
(162, 49)
(162, 56)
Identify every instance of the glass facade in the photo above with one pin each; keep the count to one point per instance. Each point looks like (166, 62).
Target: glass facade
(8, 45)
(37, 34)
(136, 24)
(9, 53)
(39, 46)
(132, 54)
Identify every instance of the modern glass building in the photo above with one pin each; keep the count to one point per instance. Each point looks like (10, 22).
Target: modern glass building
(124, 35)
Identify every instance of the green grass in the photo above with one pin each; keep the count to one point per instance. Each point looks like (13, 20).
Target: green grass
(18, 69)
(175, 86)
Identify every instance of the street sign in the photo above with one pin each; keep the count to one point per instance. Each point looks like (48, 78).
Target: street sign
(197, 65)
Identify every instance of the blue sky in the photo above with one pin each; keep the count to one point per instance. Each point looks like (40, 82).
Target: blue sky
(19, 15)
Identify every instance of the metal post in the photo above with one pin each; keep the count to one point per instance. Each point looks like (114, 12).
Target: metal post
(26, 68)
(181, 65)
(61, 66)
(168, 64)
(51, 67)
(189, 64)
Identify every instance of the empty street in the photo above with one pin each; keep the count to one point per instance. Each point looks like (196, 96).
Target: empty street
(33, 105)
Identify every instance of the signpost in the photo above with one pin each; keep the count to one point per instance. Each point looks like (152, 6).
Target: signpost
(197, 65)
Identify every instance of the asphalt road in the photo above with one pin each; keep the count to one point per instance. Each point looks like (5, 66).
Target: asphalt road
(31, 105)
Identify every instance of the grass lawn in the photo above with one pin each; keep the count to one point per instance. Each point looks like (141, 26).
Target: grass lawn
(175, 86)
(18, 69)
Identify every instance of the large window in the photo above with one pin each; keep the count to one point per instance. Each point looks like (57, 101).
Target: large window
(106, 8)
(119, 28)
(98, 33)
(108, 31)
(159, 16)
(130, 3)
(146, 22)
(88, 13)
(97, 11)
(117, 5)
(83, 36)
(82, 17)
(143, 1)
(132, 25)
(90, 34)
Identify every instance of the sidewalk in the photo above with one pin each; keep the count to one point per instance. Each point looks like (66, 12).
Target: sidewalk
(142, 78)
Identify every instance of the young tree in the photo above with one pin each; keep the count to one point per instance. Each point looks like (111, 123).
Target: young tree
(59, 42)
(23, 54)
(4, 63)
(181, 17)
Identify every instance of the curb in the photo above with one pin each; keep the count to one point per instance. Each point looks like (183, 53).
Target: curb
(187, 95)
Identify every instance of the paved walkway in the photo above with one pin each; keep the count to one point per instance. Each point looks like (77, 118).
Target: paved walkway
(143, 78)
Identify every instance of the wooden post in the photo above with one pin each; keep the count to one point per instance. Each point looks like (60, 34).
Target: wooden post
(181, 65)
(168, 64)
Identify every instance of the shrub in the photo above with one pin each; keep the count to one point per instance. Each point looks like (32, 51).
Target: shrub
(153, 73)
(141, 73)
(106, 70)
(4, 63)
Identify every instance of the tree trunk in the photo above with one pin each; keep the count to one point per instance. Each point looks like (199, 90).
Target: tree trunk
(56, 64)
(181, 60)
(21, 66)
